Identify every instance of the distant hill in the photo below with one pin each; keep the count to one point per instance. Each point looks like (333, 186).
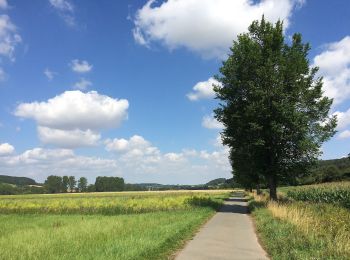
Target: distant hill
(19, 181)
(330, 170)
(216, 182)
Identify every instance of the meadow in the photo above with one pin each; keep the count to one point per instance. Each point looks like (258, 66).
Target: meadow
(309, 222)
(120, 225)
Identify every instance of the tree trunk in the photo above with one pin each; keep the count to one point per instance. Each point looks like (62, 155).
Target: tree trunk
(273, 187)
(258, 191)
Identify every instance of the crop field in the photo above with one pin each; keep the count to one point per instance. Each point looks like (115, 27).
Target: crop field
(334, 193)
(311, 222)
(125, 225)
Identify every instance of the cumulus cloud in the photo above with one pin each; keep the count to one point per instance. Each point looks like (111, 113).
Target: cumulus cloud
(207, 28)
(211, 123)
(39, 163)
(343, 119)
(334, 64)
(344, 135)
(6, 149)
(49, 74)
(135, 142)
(76, 110)
(135, 159)
(140, 159)
(9, 38)
(74, 118)
(83, 84)
(203, 90)
(68, 138)
(80, 66)
(65, 9)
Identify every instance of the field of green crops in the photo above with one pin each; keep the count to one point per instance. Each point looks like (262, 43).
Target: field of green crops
(127, 225)
(334, 193)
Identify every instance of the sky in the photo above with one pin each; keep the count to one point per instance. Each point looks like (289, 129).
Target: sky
(124, 88)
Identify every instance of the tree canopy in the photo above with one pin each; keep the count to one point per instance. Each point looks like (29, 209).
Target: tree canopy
(104, 183)
(272, 107)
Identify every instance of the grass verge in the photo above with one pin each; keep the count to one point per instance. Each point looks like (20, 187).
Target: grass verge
(302, 230)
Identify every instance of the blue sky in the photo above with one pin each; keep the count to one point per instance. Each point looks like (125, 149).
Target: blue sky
(122, 88)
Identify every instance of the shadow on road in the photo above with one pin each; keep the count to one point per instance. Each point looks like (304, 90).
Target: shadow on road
(237, 200)
(239, 209)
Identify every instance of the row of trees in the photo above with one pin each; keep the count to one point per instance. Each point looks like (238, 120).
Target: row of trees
(272, 107)
(58, 184)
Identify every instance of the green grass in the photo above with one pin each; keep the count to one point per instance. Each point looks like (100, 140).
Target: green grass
(137, 236)
(283, 240)
(143, 225)
(299, 230)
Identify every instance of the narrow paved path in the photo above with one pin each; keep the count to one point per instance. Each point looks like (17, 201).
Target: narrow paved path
(228, 235)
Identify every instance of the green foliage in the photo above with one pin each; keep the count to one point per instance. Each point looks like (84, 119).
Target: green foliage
(8, 189)
(336, 193)
(54, 184)
(82, 184)
(71, 183)
(109, 183)
(65, 183)
(275, 117)
(327, 171)
(91, 188)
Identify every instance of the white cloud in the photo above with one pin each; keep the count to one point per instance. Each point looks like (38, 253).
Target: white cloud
(206, 27)
(80, 66)
(62, 5)
(211, 123)
(49, 74)
(203, 90)
(3, 4)
(65, 10)
(76, 110)
(6, 149)
(343, 119)
(83, 84)
(135, 142)
(142, 161)
(334, 64)
(174, 157)
(68, 138)
(137, 160)
(9, 38)
(345, 134)
(74, 118)
(38, 163)
(218, 141)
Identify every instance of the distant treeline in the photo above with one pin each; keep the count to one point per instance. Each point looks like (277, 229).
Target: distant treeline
(324, 171)
(328, 171)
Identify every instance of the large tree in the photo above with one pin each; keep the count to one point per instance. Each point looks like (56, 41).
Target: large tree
(272, 106)
(65, 183)
(54, 184)
(104, 183)
(71, 183)
(82, 184)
